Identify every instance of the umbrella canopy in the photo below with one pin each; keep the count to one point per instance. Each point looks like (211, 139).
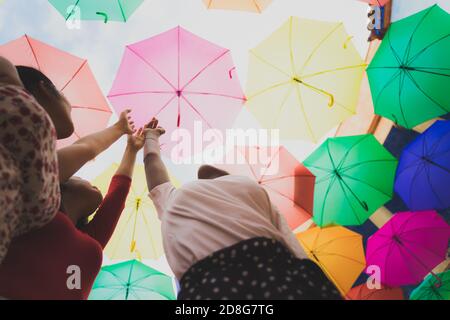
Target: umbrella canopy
(289, 184)
(338, 251)
(132, 280)
(433, 288)
(423, 172)
(410, 73)
(182, 80)
(408, 247)
(138, 232)
(355, 176)
(241, 5)
(362, 292)
(304, 79)
(104, 10)
(379, 3)
(71, 75)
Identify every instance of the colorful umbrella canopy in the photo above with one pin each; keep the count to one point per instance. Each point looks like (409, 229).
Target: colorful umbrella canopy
(338, 251)
(408, 247)
(132, 280)
(362, 292)
(355, 176)
(182, 80)
(410, 73)
(241, 5)
(71, 75)
(138, 232)
(104, 10)
(304, 79)
(289, 184)
(433, 288)
(423, 172)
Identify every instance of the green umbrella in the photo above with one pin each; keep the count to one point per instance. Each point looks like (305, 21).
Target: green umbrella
(410, 73)
(105, 10)
(434, 287)
(354, 177)
(132, 280)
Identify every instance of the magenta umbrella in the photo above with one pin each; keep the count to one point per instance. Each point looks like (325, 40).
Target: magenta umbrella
(408, 247)
(181, 79)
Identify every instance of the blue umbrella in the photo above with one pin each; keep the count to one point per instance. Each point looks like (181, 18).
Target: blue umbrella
(423, 173)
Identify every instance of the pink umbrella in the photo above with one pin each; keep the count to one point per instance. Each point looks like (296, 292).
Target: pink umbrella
(380, 3)
(289, 184)
(180, 79)
(71, 75)
(408, 247)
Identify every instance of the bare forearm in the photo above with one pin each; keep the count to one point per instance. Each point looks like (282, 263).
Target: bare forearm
(102, 140)
(155, 170)
(127, 165)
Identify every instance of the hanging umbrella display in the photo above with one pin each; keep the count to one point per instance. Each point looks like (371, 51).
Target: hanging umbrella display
(104, 10)
(289, 184)
(354, 177)
(304, 79)
(362, 292)
(71, 75)
(433, 288)
(338, 251)
(408, 247)
(182, 80)
(240, 5)
(410, 73)
(138, 232)
(132, 280)
(423, 172)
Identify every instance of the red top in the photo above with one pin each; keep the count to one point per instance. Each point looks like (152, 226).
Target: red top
(36, 264)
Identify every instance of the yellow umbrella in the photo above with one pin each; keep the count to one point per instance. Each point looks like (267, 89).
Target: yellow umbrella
(304, 79)
(338, 251)
(240, 5)
(138, 232)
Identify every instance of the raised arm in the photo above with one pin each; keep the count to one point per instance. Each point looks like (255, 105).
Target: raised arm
(73, 157)
(155, 170)
(8, 73)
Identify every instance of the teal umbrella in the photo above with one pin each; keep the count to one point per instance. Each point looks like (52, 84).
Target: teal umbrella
(104, 10)
(132, 280)
(410, 73)
(434, 287)
(354, 177)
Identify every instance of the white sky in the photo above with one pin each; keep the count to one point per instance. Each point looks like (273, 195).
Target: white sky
(103, 45)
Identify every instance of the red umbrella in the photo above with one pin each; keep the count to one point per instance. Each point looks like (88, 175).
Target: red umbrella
(289, 184)
(71, 75)
(362, 292)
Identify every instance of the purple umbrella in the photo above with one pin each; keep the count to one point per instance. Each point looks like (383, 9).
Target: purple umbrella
(423, 172)
(408, 247)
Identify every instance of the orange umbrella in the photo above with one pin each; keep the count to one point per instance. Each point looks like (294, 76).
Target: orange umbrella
(240, 5)
(338, 251)
(362, 292)
(71, 75)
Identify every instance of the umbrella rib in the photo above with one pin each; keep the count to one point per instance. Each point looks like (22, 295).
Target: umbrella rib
(152, 67)
(214, 94)
(333, 70)
(417, 244)
(291, 51)
(411, 60)
(427, 173)
(204, 68)
(33, 52)
(280, 194)
(333, 240)
(165, 105)
(121, 11)
(342, 184)
(347, 153)
(150, 234)
(367, 184)
(285, 177)
(424, 93)
(408, 47)
(268, 89)
(400, 104)
(270, 163)
(421, 264)
(197, 112)
(138, 92)
(91, 108)
(342, 256)
(281, 107)
(271, 65)
(396, 56)
(73, 9)
(325, 198)
(431, 72)
(319, 168)
(302, 107)
(74, 75)
(365, 162)
(387, 84)
(313, 52)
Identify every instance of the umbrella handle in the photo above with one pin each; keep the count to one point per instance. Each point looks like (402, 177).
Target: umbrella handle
(331, 101)
(104, 15)
(438, 284)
